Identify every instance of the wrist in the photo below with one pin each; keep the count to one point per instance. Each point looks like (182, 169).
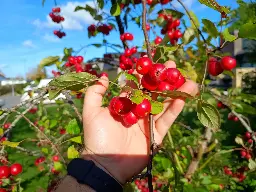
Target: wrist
(106, 167)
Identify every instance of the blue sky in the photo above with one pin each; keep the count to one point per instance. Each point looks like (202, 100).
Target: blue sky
(27, 34)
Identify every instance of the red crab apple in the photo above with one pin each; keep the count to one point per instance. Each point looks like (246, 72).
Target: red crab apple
(158, 72)
(16, 169)
(4, 172)
(55, 158)
(143, 109)
(148, 83)
(228, 63)
(143, 65)
(214, 67)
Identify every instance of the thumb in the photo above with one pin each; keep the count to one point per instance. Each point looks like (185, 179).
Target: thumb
(94, 95)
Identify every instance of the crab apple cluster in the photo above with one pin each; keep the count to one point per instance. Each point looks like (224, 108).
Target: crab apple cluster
(39, 160)
(76, 62)
(239, 174)
(57, 18)
(102, 28)
(232, 117)
(55, 15)
(123, 109)
(216, 67)
(220, 105)
(142, 185)
(7, 171)
(126, 37)
(157, 76)
(245, 154)
(126, 61)
(59, 33)
(171, 28)
(248, 137)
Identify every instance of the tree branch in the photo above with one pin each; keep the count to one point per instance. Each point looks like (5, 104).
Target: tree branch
(191, 19)
(41, 132)
(193, 166)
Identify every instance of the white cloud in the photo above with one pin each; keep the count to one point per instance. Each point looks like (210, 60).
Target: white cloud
(51, 38)
(73, 20)
(28, 43)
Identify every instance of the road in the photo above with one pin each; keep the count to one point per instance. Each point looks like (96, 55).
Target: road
(10, 101)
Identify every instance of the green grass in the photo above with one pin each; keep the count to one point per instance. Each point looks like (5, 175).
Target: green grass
(32, 179)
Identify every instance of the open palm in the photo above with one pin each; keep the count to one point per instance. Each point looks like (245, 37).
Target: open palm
(122, 151)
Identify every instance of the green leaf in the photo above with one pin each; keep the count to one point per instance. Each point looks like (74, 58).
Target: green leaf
(247, 31)
(166, 163)
(210, 28)
(48, 61)
(53, 123)
(252, 164)
(131, 77)
(174, 13)
(98, 17)
(73, 127)
(70, 81)
(11, 144)
(54, 93)
(189, 35)
(77, 139)
(78, 8)
(58, 166)
(137, 96)
(161, 21)
(1, 131)
(242, 107)
(239, 141)
(156, 107)
(72, 152)
(137, 20)
(214, 5)
(96, 45)
(115, 10)
(229, 73)
(176, 94)
(45, 150)
(208, 115)
(195, 23)
(227, 36)
(100, 3)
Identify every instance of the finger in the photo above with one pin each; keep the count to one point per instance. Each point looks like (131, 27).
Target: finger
(170, 64)
(172, 108)
(94, 95)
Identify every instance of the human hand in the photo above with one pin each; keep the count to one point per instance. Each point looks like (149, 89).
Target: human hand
(124, 152)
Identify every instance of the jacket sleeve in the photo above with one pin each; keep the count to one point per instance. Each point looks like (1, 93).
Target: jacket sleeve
(69, 184)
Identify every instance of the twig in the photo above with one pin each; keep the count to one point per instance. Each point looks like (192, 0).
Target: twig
(33, 153)
(8, 111)
(176, 159)
(151, 121)
(193, 166)
(186, 9)
(18, 117)
(41, 132)
(144, 18)
(247, 127)
(71, 102)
